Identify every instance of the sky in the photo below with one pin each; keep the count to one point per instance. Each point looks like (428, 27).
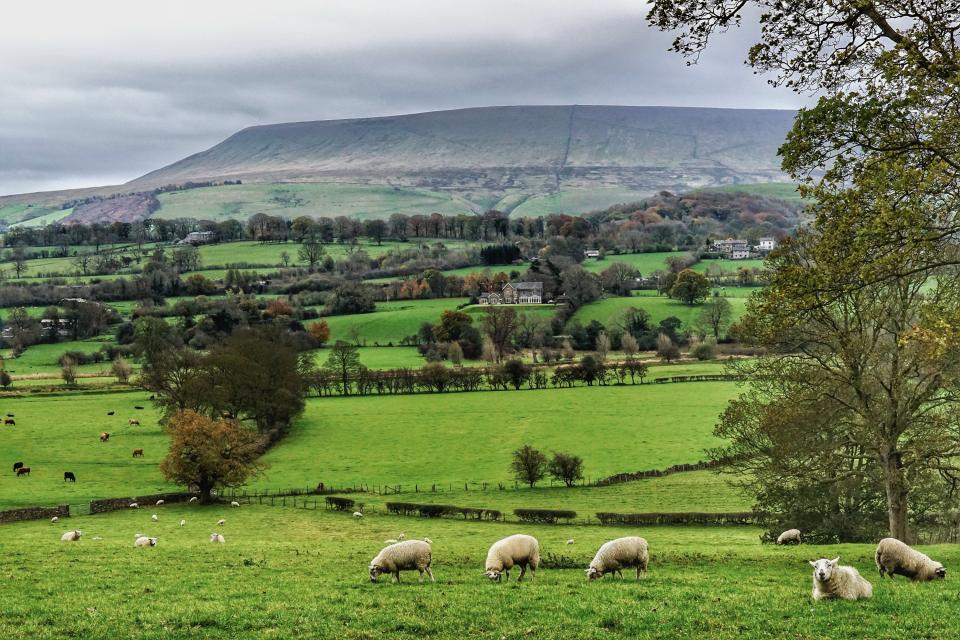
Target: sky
(102, 91)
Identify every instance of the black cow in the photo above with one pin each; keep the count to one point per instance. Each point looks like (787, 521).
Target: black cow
(110, 413)
(17, 465)
(68, 475)
(9, 415)
(137, 407)
(9, 421)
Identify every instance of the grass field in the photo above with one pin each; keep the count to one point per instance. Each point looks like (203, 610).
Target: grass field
(42, 358)
(608, 311)
(296, 199)
(780, 190)
(468, 437)
(392, 321)
(290, 573)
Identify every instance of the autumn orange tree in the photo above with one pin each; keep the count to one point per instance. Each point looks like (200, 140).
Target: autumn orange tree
(210, 454)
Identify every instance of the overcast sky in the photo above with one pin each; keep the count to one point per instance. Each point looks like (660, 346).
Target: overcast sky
(102, 91)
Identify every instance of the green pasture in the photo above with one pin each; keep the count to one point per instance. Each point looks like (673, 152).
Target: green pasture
(391, 321)
(42, 358)
(286, 572)
(609, 311)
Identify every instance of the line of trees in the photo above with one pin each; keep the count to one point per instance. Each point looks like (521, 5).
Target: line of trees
(530, 465)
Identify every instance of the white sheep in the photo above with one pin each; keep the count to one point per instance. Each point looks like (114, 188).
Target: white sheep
(134, 505)
(193, 499)
(570, 541)
(357, 515)
(144, 541)
(402, 536)
(71, 536)
(160, 502)
(403, 556)
(54, 519)
(183, 523)
(613, 556)
(895, 557)
(216, 537)
(428, 540)
(790, 536)
(234, 504)
(221, 522)
(390, 541)
(154, 517)
(831, 580)
(516, 550)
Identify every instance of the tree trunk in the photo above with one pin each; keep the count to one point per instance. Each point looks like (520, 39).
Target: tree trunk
(896, 488)
(206, 489)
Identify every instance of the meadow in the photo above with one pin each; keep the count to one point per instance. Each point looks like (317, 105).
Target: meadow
(608, 311)
(294, 573)
(392, 321)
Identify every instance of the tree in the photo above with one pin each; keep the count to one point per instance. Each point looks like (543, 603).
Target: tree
(285, 258)
(516, 372)
(344, 361)
(566, 468)
(311, 252)
(619, 278)
(208, 454)
(579, 285)
(375, 230)
(455, 353)
(602, 346)
(320, 331)
(667, 350)
(854, 411)
(121, 369)
(19, 258)
(715, 316)
(691, 287)
(5, 379)
(528, 465)
(350, 298)
(499, 324)
(629, 345)
(68, 371)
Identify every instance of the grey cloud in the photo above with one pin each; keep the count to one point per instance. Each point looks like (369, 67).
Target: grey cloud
(65, 123)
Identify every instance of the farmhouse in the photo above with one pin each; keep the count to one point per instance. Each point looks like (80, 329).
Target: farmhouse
(591, 253)
(733, 249)
(515, 293)
(767, 244)
(198, 237)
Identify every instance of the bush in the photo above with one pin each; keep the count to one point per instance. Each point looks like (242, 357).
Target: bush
(340, 504)
(544, 516)
(689, 518)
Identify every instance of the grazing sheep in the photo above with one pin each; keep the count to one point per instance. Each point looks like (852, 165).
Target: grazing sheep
(133, 423)
(831, 580)
(570, 541)
(516, 550)
(357, 515)
(613, 556)
(790, 536)
(160, 502)
(401, 537)
(234, 504)
(221, 522)
(134, 505)
(71, 536)
(154, 517)
(138, 453)
(54, 519)
(216, 537)
(193, 499)
(104, 436)
(183, 523)
(895, 557)
(402, 556)
(69, 476)
(428, 540)
(144, 541)
(16, 466)
(23, 471)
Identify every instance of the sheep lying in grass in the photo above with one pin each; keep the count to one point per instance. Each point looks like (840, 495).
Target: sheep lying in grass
(516, 550)
(403, 556)
(144, 541)
(54, 519)
(895, 557)
(830, 580)
(134, 505)
(160, 502)
(357, 515)
(790, 536)
(71, 536)
(193, 499)
(183, 523)
(217, 537)
(221, 522)
(570, 541)
(154, 517)
(613, 556)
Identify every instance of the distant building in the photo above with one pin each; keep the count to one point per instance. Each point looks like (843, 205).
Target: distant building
(767, 244)
(591, 253)
(515, 293)
(199, 237)
(734, 249)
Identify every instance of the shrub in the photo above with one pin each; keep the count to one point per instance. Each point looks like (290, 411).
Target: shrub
(544, 516)
(340, 504)
(566, 468)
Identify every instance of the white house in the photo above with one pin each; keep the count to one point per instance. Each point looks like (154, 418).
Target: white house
(515, 293)
(591, 253)
(739, 254)
(767, 244)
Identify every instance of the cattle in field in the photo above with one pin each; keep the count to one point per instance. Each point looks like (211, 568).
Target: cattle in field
(138, 453)
(68, 475)
(9, 421)
(133, 423)
(138, 407)
(17, 465)
(104, 436)
(23, 471)
(110, 413)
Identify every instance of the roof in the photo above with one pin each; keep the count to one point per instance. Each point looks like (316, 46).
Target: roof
(527, 286)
